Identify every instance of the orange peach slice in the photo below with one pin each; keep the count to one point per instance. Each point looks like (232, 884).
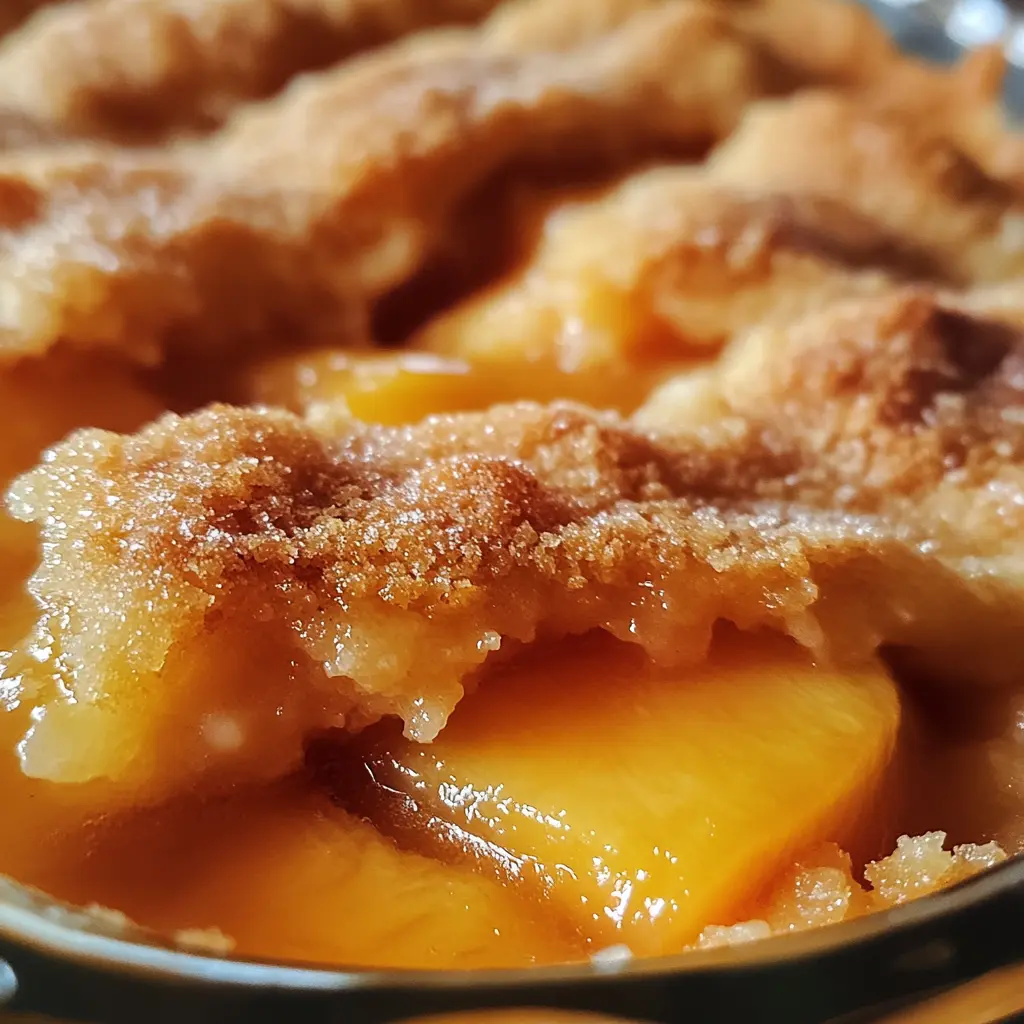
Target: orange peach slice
(642, 803)
(286, 876)
(405, 387)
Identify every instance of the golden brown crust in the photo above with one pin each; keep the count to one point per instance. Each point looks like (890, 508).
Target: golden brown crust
(872, 407)
(813, 198)
(559, 24)
(305, 211)
(138, 70)
(364, 553)
(861, 486)
(19, 131)
(912, 182)
(884, 406)
(668, 263)
(826, 44)
(905, 410)
(842, 46)
(818, 43)
(80, 69)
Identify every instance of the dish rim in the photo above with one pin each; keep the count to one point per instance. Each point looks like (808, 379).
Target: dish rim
(32, 920)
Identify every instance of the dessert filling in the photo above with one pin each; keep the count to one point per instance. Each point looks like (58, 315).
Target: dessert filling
(666, 806)
(506, 484)
(680, 809)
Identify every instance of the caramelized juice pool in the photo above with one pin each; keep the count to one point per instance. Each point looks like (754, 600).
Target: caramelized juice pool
(290, 875)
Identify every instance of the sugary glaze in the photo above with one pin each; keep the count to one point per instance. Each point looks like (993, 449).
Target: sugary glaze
(537, 319)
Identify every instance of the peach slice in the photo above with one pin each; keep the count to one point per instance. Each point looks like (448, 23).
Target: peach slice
(407, 386)
(642, 803)
(286, 876)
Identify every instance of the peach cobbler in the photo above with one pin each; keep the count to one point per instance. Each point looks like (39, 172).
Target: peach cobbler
(493, 482)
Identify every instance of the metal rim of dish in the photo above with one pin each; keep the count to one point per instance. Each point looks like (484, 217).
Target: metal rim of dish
(906, 953)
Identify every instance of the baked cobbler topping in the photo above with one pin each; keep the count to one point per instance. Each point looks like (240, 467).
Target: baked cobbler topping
(524, 478)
